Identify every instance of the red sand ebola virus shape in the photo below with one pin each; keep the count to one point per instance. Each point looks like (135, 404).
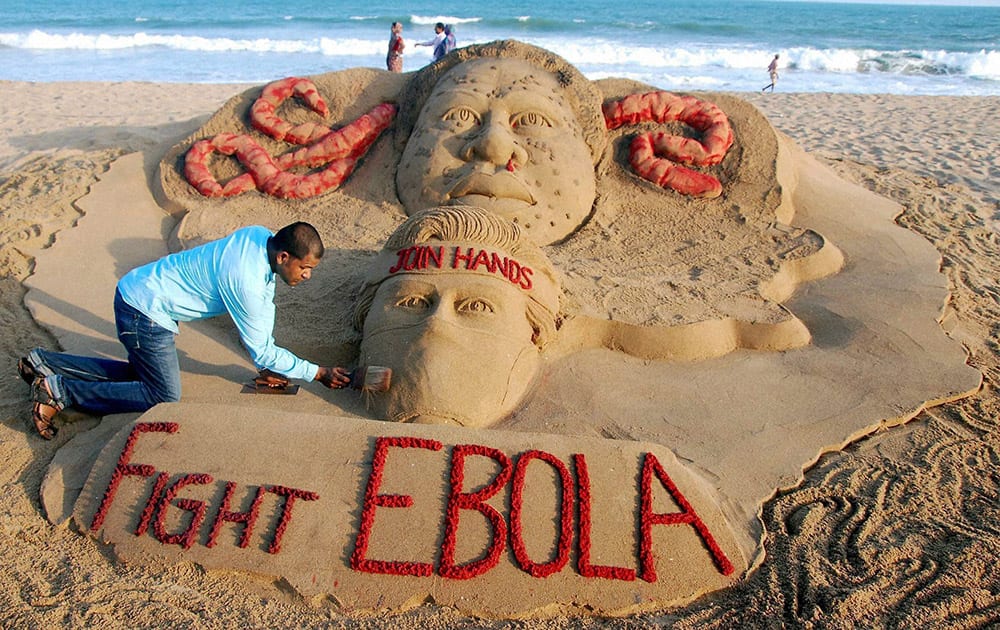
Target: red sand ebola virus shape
(657, 156)
(337, 151)
(265, 120)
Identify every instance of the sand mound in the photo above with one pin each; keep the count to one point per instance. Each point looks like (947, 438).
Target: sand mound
(663, 264)
(828, 541)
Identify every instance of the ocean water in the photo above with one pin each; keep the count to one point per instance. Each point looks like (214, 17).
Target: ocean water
(678, 44)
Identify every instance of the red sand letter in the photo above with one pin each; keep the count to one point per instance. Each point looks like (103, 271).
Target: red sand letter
(483, 258)
(525, 282)
(290, 494)
(123, 468)
(225, 515)
(154, 499)
(433, 255)
(583, 539)
(374, 500)
(458, 501)
(687, 516)
(500, 265)
(401, 258)
(186, 537)
(459, 256)
(565, 541)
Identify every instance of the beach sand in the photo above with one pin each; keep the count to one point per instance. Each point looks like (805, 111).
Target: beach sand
(900, 527)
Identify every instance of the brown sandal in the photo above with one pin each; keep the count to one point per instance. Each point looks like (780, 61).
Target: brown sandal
(26, 371)
(43, 409)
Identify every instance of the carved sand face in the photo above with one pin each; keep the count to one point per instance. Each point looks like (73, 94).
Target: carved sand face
(459, 345)
(499, 134)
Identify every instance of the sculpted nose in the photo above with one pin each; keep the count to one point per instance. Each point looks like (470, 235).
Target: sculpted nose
(496, 143)
(438, 315)
(441, 312)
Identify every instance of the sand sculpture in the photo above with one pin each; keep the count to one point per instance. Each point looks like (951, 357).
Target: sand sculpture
(502, 135)
(452, 281)
(697, 352)
(655, 155)
(444, 161)
(464, 139)
(336, 151)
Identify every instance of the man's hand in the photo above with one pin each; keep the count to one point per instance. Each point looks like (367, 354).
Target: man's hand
(333, 377)
(267, 378)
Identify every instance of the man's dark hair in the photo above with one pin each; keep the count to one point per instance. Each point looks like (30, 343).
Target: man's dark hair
(298, 239)
(439, 25)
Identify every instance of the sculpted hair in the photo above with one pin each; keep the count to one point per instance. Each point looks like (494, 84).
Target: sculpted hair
(470, 225)
(583, 97)
(298, 239)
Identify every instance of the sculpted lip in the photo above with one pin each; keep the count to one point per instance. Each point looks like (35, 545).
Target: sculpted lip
(503, 185)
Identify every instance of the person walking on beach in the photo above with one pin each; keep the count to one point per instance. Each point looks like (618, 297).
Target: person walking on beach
(438, 42)
(235, 275)
(772, 70)
(394, 58)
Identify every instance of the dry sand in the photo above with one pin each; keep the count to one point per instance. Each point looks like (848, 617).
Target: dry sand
(900, 527)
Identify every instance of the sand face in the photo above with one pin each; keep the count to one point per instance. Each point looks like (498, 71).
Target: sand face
(498, 134)
(438, 298)
(940, 444)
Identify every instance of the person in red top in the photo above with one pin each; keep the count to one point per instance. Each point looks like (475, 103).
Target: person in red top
(394, 58)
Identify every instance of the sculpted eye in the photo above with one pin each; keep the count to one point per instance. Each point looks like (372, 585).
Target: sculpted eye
(462, 116)
(475, 305)
(530, 119)
(415, 302)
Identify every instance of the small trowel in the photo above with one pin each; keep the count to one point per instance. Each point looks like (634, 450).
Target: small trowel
(267, 382)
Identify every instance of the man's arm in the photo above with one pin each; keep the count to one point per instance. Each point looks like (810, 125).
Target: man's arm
(269, 356)
(431, 42)
(252, 310)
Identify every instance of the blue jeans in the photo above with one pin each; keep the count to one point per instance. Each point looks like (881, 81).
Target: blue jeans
(105, 386)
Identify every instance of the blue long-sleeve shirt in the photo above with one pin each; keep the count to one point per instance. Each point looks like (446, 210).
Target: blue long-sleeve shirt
(231, 275)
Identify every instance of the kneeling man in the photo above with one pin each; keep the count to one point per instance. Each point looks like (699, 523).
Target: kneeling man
(235, 275)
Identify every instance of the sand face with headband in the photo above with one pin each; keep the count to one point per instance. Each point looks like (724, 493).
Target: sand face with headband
(454, 316)
(498, 134)
(436, 332)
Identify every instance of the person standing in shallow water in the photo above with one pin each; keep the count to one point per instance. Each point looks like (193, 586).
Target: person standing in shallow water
(394, 58)
(449, 39)
(438, 43)
(772, 70)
